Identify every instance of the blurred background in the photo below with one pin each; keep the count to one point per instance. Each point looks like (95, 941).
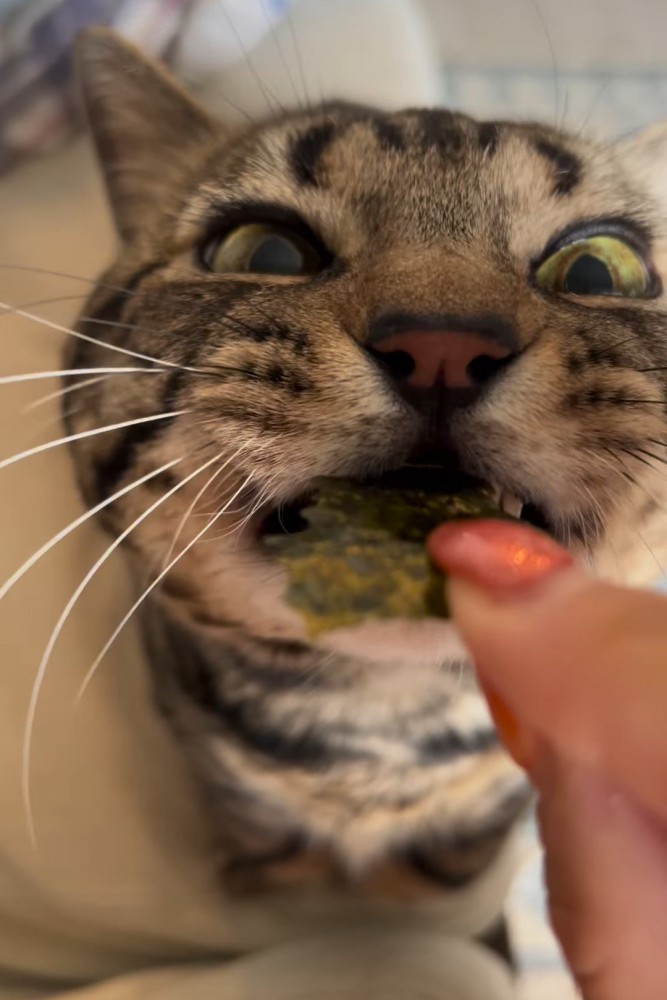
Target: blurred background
(586, 63)
(595, 65)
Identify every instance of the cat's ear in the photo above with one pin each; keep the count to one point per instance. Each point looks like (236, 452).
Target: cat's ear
(147, 130)
(644, 156)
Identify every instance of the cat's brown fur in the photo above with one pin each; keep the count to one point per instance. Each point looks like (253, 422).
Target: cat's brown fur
(372, 750)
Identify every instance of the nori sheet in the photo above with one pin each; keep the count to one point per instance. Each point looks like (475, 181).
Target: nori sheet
(363, 553)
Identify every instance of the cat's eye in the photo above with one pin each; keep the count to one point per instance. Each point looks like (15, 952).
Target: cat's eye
(598, 265)
(263, 248)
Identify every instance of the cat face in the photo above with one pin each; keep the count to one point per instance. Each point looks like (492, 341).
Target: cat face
(419, 224)
(341, 291)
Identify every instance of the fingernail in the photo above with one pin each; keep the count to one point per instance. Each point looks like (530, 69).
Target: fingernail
(515, 738)
(500, 556)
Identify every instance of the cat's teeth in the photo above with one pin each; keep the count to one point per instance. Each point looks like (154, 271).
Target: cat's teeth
(510, 504)
(496, 493)
(507, 502)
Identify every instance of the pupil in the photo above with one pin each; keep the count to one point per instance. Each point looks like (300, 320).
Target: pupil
(589, 276)
(276, 255)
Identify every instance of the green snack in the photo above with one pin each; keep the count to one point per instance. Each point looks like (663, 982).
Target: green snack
(363, 553)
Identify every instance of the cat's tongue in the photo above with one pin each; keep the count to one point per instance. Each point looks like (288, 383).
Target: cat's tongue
(358, 551)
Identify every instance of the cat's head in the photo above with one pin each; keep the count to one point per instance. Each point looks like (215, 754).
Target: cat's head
(341, 291)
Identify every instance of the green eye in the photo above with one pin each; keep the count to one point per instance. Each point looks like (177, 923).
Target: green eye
(262, 248)
(599, 265)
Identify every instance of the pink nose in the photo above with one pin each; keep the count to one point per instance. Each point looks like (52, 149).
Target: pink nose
(442, 357)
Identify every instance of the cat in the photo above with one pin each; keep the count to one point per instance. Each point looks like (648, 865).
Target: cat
(301, 286)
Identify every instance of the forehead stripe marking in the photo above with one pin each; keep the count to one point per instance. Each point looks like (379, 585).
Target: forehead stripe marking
(568, 168)
(489, 135)
(307, 150)
(389, 135)
(441, 130)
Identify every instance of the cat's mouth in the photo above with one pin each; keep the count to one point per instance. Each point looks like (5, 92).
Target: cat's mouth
(355, 551)
(289, 518)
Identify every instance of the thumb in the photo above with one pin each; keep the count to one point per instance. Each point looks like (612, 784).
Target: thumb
(576, 670)
(579, 663)
(606, 873)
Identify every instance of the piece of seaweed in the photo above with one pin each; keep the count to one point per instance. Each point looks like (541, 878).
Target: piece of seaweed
(363, 555)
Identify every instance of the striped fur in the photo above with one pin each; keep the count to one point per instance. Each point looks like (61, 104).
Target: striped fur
(368, 757)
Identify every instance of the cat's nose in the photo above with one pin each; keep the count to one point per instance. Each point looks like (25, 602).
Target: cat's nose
(442, 358)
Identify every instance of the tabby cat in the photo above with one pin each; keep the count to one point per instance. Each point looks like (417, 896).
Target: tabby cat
(342, 291)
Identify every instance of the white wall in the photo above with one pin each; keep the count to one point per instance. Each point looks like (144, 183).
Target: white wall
(585, 34)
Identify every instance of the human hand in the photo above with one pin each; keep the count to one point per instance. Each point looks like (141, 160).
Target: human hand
(576, 675)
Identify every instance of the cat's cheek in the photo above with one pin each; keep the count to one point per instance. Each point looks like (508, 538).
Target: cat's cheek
(257, 601)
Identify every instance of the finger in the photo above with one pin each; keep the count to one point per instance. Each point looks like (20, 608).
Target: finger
(578, 662)
(606, 873)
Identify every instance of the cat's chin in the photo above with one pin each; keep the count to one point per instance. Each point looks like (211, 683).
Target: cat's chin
(243, 589)
(430, 642)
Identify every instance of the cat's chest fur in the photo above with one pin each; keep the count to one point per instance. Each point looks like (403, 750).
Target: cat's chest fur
(317, 762)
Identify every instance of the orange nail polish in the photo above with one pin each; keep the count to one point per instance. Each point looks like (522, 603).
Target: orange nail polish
(513, 736)
(502, 557)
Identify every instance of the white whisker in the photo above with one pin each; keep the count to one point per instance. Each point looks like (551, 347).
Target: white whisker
(247, 514)
(64, 532)
(275, 37)
(299, 61)
(259, 501)
(52, 423)
(660, 567)
(70, 388)
(112, 638)
(184, 519)
(55, 634)
(646, 462)
(34, 376)
(100, 343)
(51, 300)
(248, 511)
(86, 382)
(659, 502)
(247, 58)
(66, 274)
(86, 434)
